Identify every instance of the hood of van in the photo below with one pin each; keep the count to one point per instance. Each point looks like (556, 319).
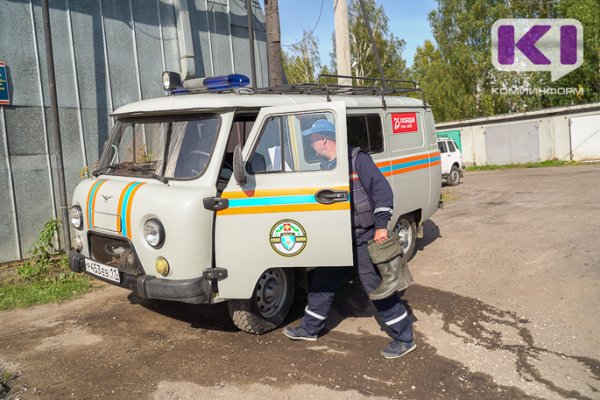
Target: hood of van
(120, 206)
(108, 204)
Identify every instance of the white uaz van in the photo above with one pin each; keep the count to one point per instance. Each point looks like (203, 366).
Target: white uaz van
(451, 158)
(210, 197)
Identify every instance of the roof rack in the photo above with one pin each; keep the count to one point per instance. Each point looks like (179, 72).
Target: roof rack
(384, 88)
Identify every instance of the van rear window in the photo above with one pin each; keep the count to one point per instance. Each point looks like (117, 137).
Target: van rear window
(366, 132)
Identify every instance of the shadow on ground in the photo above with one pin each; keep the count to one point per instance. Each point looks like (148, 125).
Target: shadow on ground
(214, 317)
(431, 232)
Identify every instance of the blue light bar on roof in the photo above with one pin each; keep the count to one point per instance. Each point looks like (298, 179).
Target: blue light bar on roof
(226, 82)
(173, 84)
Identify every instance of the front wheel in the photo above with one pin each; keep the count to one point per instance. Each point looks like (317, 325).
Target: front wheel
(269, 305)
(453, 178)
(406, 228)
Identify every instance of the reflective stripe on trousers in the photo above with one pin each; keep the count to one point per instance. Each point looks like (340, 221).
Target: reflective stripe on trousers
(325, 281)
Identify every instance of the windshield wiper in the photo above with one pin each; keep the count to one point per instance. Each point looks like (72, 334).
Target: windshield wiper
(100, 171)
(158, 177)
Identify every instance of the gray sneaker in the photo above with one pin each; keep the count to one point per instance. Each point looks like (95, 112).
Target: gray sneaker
(397, 349)
(298, 333)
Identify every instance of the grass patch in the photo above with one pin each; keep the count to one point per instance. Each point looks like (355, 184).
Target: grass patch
(44, 278)
(56, 283)
(541, 164)
(7, 376)
(449, 195)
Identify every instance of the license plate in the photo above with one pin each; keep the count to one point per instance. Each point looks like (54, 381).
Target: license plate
(103, 271)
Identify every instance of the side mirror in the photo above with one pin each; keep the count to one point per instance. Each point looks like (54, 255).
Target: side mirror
(239, 167)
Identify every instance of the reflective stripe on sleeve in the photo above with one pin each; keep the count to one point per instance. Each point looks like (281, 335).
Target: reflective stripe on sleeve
(396, 320)
(382, 209)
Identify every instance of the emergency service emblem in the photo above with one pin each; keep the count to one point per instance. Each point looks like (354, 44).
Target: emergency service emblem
(288, 238)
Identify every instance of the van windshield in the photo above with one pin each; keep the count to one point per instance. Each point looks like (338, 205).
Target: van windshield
(165, 148)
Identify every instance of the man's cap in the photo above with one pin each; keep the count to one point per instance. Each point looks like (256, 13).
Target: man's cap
(322, 127)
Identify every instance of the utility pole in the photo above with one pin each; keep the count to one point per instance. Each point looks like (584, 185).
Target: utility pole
(342, 41)
(251, 40)
(56, 127)
(375, 51)
(273, 42)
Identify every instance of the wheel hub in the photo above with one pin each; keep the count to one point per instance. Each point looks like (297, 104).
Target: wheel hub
(271, 292)
(404, 234)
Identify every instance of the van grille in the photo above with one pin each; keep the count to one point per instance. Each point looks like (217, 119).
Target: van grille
(116, 252)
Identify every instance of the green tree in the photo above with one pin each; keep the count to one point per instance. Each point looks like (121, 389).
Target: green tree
(440, 86)
(361, 51)
(302, 63)
(587, 76)
(457, 74)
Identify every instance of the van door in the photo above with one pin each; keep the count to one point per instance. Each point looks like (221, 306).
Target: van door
(445, 157)
(290, 212)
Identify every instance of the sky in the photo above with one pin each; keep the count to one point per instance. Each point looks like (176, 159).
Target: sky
(407, 20)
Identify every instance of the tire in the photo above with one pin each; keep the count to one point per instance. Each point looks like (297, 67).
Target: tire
(453, 178)
(269, 305)
(406, 228)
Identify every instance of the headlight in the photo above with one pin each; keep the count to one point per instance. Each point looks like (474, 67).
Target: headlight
(154, 233)
(76, 217)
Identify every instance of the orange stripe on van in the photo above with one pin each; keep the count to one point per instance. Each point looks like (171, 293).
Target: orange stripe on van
(94, 202)
(276, 192)
(409, 159)
(285, 208)
(128, 211)
(120, 209)
(411, 168)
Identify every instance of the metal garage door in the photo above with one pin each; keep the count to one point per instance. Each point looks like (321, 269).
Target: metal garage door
(585, 137)
(453, 134)
(512, 143)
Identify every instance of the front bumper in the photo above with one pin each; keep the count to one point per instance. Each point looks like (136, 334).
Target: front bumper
(195, 291)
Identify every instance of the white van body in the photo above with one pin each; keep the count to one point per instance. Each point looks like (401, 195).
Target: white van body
(167, 218)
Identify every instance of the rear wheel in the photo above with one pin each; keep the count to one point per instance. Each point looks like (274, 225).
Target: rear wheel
(406, 228)
(453, 178)
(269, 305)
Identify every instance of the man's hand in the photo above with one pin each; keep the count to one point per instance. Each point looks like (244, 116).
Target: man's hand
(380, 235)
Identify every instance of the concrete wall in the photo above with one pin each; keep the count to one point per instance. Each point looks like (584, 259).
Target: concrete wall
(107, 53)
(565, 133)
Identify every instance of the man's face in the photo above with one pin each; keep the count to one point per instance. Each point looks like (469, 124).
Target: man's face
(317, 142)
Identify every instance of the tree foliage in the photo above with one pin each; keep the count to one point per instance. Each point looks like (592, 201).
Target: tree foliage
(457, 73)
(389, 47)
(302, 63)
(588, 75)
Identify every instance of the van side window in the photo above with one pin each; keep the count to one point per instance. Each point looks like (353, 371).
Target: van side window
(281, 147)
(442, 147)
(240, 130)
(451, 147)
(366, 132)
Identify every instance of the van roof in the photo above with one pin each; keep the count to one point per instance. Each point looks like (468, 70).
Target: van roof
(220, 101)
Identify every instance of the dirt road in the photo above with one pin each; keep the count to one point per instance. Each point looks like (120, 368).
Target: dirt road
(506, 305)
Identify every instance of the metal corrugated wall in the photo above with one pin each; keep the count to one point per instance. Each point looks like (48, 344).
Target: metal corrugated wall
(107, 53)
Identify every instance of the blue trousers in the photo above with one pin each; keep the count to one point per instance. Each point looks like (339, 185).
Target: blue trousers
(325, 281)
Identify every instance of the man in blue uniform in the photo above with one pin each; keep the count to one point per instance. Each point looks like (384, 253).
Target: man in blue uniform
(372, 202)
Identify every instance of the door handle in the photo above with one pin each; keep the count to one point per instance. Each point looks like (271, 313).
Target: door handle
(328, 196)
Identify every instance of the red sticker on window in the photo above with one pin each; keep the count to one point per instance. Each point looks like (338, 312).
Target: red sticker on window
(404, 122)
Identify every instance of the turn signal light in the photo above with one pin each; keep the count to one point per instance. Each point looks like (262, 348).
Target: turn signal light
(162, 266)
